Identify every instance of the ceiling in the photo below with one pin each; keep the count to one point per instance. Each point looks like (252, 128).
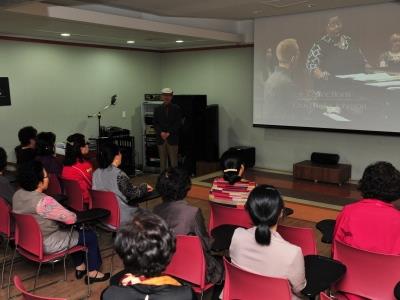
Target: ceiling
(223, 9)
(91, 29)
(41, 28)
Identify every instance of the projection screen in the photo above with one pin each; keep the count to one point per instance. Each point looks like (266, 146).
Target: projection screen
(335, 70)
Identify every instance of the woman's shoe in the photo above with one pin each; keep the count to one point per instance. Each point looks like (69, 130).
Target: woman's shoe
(79, 274)
(97, 279)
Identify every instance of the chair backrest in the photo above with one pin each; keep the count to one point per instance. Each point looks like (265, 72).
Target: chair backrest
(225, 215)
(323, 296)
(74, 194)
(28, 235)
(370, 275)
(5, 218)
(54, 187)
(107, 200)
(300, 236)
(188, 262)
(243, 285)
(28, 296)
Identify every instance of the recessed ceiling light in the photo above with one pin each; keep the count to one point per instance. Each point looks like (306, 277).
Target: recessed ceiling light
(65, 34)
(130, 42)
(179, 41)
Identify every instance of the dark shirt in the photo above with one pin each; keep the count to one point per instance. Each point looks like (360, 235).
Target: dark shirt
(51, 164)
(24, 154)
(167, 118)
(140, 291)
(6, 189)
(185, 219)
(336, 57)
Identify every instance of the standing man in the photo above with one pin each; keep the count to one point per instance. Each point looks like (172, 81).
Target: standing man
(167, 121)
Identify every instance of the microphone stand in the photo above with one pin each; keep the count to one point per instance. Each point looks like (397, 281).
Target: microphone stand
(98, 114)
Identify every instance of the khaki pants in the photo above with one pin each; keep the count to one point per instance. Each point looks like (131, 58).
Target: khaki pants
(166, 150)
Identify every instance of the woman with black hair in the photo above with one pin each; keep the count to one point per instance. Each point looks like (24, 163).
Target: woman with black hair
(173, 186)
(373, 223)
(145, 245)
(30, 199)
(112, 179)
(231, 189)
(76, 166)
(45, 151)
(261, 249)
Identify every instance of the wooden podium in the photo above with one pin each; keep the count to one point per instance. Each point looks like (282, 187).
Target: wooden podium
(338, 174)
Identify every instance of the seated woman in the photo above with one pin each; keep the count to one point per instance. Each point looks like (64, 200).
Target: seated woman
(45, 153)
(6, 189)
(26, 150)
(231, 189)
(145, 245)
(110, 178)
(373, 223)
(30, 199)
(261, 249)
(173, 185)
(76, 167)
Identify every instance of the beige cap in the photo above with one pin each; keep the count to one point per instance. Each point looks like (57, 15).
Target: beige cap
(167, 91)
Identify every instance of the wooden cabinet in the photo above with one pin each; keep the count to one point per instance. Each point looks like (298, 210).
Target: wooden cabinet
(338, 174)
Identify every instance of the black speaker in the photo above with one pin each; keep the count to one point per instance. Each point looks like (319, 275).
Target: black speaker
(192, 133)
(5, 98)
(211, 130)
(324, 158)
(246, 153)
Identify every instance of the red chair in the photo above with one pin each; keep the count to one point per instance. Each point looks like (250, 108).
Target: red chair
(300, 236)
(225, 215)
(323, 296)
(369, 275)
(6, 229)
(29, 243)
(74, 194)
(108, 200)
(54, 187)
(28, 296)
(188, 263)
(243, 285)
(223, 222)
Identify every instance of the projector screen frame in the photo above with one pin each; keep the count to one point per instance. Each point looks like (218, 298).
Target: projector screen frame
(333, 130)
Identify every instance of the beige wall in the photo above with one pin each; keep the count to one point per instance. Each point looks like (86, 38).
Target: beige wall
(55, 87)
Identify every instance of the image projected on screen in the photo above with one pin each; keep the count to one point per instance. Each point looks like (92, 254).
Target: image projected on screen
(336, 69)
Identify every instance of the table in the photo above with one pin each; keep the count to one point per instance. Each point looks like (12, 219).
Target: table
(339, 173)
(223, 234)
(397, 291)
(147, 197)
(91, 215)
(321, 273)
(327, 228)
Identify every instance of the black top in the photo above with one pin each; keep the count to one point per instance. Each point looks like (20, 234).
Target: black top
(140, 291)
(167, 118)
(336, 57)
(24, 154)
